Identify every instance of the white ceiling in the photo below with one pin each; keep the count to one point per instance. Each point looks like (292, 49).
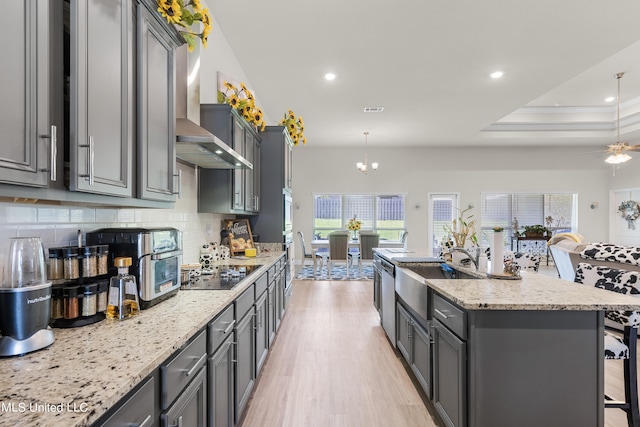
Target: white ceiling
(428, 64)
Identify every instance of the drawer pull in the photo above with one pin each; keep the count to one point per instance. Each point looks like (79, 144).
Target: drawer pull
(228, 328)
(197, 365)
(145, 423)
(441, 313)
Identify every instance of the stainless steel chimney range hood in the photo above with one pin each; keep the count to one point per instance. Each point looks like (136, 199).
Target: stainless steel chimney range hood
(194, 144)
(200, 147)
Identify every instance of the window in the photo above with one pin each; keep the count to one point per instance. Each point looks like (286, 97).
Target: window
(556, 211)
(443, 211)
(381, 213)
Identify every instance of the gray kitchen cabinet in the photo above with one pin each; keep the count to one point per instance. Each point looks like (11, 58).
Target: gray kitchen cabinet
(245, 349)
(262, 331)
(271, 304)
(156, 115)
(183, 385)
(252, 176)
(449, 376)
(29, 145)
(275, 176)
(138, 409)
(229, 191)
(403, 332)
(414, 344)
(101, 134)
(221, 380)
(190, 409)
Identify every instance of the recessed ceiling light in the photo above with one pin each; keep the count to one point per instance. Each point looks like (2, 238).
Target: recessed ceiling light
(496, 74)
(329, 76)
(610, 99)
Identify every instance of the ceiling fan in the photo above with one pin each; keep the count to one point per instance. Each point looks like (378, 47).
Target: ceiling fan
(618, 150)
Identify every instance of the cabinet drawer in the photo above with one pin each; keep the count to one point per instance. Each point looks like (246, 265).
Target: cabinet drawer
(261, 285)
(220, 328)
(244, 302)
(272, 272)
(451, 316)
(139, 409)
(179, 371)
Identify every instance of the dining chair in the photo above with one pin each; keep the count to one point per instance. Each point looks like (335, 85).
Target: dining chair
(338, 249)
(304, 255)
(368, 241)
(615, 347)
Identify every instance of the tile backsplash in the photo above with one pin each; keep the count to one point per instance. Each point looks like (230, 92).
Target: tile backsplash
(59, 225)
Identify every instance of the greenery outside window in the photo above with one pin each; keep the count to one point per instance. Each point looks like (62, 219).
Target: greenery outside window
(382, 213)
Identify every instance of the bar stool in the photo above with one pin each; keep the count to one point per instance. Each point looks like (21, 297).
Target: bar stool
(625, 348)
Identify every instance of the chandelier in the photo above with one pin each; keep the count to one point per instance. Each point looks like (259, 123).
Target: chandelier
(618, 149)
(364, 167)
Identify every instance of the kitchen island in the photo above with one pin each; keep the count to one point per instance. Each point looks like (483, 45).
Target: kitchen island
(523, 352)
(87, 370)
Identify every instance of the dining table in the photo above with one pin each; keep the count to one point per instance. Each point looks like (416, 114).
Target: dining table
(352, 243)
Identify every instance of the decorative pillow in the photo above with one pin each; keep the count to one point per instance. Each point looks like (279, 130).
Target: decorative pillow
(611, 252)
(621, 281)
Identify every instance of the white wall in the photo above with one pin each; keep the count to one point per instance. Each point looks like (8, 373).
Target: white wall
(417, 172)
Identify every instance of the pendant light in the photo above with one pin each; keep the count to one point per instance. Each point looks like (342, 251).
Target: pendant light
(618, 155)
(364, 167)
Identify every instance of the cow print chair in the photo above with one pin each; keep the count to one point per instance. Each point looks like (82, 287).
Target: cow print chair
(623, 282)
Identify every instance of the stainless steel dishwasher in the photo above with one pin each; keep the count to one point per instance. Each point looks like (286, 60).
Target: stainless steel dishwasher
(388, 299)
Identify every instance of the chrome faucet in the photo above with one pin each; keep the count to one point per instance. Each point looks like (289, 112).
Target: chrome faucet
(475, 260)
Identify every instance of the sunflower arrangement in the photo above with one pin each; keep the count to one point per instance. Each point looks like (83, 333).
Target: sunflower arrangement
(295, 126)
(354, 224)
(187, 14)
(242, 100)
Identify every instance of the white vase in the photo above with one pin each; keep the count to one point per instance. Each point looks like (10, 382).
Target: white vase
(497, 253)
(457, 257)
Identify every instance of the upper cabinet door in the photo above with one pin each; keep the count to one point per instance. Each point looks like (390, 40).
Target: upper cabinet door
(101, 83)
(24, 109)
(156, 115)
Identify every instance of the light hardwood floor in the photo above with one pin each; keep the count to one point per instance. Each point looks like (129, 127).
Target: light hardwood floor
(331, 365)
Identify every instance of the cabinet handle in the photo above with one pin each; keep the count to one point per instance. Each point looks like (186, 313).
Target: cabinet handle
(235, 353)
(145, 423)
(441, 313)
(53, 137)
(179, 176)
(90, 155)
(197, 365)
(409, 328)
(228, 328)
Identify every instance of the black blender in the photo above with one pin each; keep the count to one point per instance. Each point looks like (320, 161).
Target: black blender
(25, 299)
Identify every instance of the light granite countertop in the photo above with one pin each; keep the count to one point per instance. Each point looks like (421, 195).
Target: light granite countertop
(534, 292)
(88, 369)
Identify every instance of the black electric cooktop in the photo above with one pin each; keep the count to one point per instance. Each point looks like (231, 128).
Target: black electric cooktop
(223, 277)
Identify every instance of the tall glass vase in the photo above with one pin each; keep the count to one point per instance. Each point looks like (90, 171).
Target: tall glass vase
(355, 235)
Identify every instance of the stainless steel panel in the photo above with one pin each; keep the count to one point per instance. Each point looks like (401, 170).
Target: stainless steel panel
(411, 288)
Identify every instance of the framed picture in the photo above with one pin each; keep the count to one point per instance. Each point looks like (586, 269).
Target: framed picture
(239, 235)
